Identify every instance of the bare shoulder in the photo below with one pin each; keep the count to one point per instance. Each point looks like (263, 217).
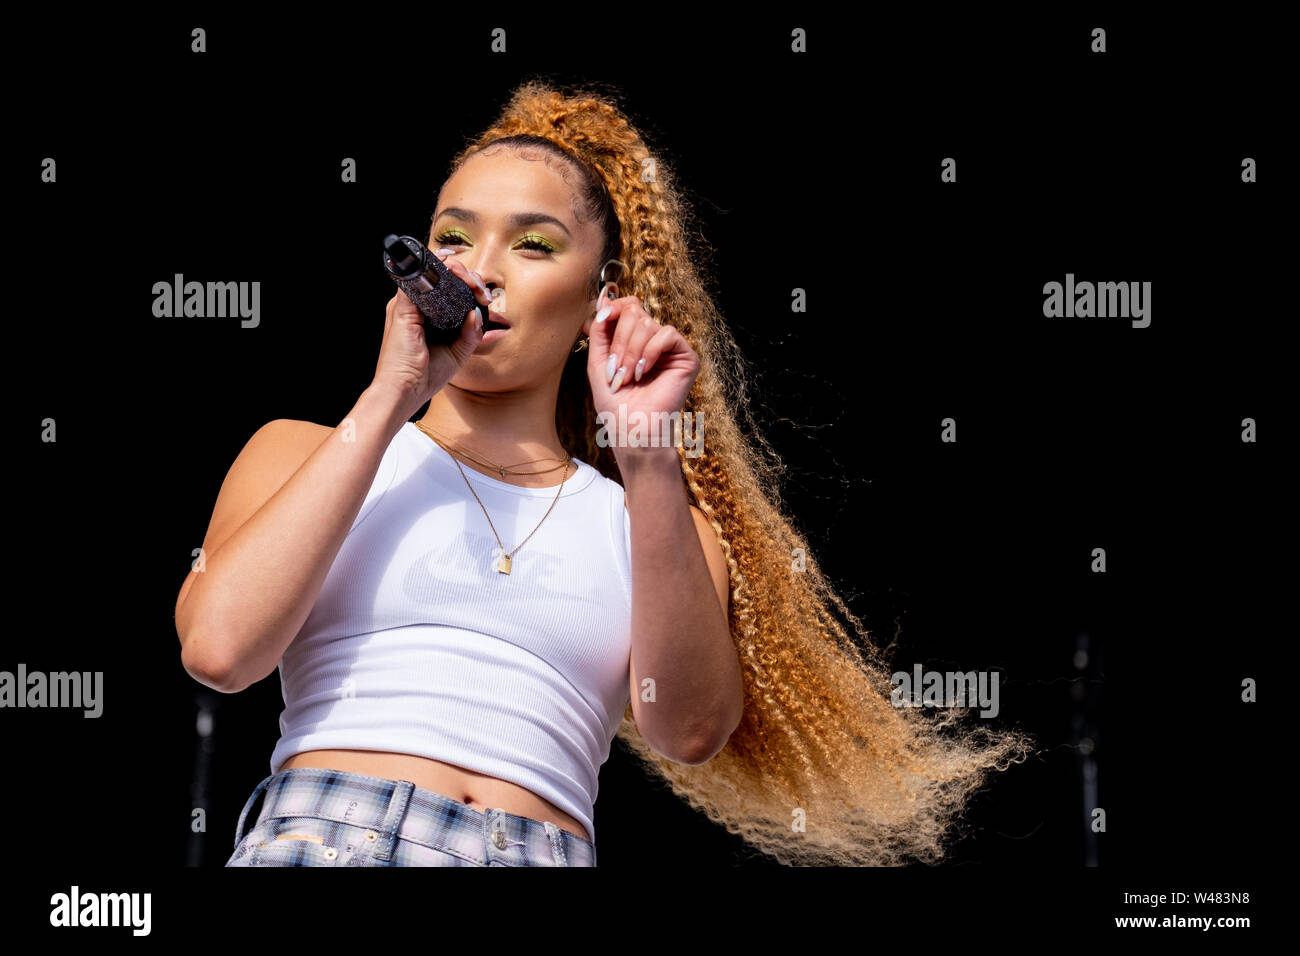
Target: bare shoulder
(268, 459)
(292, 433)
(284, 443)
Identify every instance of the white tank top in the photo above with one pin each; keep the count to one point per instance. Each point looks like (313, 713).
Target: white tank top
(418, 645)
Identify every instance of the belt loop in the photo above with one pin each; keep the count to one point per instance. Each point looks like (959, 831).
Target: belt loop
(397, 805)
(257, 791)
(556, 836)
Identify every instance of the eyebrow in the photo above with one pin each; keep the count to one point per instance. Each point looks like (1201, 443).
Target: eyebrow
(515, 221)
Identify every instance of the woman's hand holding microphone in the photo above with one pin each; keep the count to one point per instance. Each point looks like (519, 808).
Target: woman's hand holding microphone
(408, 366)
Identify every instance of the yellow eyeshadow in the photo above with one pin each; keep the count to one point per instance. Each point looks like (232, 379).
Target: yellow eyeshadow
(533, 237)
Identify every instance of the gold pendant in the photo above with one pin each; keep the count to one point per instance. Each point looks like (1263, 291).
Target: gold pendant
(503, 564)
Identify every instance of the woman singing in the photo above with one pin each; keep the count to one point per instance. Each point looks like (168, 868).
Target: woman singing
(467, 608)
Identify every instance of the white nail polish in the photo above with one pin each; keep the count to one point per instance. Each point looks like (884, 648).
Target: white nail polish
(640, 367)
(479, 280)
(618, 379)
(603, 314)
(610, 366)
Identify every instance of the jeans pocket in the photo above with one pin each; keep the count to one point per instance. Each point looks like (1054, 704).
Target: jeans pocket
(302, 841)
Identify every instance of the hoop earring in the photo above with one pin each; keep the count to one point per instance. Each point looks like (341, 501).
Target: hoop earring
(606, 285)
(607, 282)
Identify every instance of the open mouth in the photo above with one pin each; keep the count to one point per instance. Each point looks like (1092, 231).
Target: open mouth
(494, 318)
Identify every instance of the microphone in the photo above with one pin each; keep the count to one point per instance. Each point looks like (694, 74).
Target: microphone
(441, 296)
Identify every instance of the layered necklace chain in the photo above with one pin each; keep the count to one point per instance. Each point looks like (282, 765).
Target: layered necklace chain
(504, 560)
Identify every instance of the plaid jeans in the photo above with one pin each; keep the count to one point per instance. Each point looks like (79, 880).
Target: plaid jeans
(316, 817)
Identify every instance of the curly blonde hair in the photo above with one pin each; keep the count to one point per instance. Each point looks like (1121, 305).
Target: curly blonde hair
(820, 740)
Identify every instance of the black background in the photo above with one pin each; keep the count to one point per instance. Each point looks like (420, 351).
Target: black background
(818, 171)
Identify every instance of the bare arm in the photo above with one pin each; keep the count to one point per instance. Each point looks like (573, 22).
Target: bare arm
(680, 631)
(277, 527)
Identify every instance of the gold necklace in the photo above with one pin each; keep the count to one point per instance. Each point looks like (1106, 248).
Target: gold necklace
(504, 560)
(503, 469)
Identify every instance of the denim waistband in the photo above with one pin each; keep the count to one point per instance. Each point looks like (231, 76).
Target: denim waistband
(398, 809)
